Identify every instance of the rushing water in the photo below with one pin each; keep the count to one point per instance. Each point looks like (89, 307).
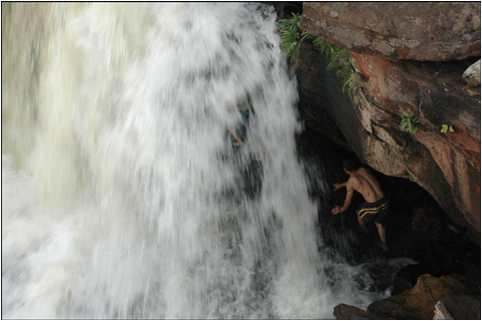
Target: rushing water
(123, 194)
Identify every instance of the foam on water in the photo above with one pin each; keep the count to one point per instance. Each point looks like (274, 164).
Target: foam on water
(122, 193)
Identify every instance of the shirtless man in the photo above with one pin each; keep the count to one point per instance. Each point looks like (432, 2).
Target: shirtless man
(376, 205)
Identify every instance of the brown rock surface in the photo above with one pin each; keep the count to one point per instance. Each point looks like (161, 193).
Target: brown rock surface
(349, 312)
(419, 301)
(435, 94)
(435, 31)
(410, 58)
(445, 165)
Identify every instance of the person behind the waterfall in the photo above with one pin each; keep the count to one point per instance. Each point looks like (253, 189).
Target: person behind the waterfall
(375, 207)
(238, 135)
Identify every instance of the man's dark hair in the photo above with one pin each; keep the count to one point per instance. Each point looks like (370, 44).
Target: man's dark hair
(350, 164)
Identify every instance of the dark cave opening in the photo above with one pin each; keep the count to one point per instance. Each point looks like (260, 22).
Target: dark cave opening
(417, 227)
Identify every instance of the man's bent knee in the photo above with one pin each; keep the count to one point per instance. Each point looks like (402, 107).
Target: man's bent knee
(359, 220)
(379, 225)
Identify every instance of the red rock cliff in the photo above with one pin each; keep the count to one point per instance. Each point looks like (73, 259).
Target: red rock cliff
(398, 49)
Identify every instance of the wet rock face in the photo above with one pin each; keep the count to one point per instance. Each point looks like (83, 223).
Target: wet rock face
(419, 301)
(445, 164)
(349, 312)
(402, 31)
(413, 61)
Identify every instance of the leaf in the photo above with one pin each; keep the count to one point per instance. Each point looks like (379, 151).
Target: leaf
(445, 128)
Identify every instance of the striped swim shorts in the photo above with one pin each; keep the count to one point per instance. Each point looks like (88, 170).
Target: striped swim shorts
(373, 212)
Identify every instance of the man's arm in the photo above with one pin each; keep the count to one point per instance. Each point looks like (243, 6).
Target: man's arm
(237, 141)
(339, 185)
(348, 197)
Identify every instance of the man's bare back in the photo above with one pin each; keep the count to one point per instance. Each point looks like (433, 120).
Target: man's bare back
(365, 184)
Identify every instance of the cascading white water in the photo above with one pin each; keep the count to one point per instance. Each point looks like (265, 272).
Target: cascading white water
(123, 196)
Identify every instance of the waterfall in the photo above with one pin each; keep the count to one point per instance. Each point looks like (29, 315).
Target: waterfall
(125, 193)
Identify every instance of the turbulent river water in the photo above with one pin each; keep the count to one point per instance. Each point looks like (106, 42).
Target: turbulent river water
(125, 194)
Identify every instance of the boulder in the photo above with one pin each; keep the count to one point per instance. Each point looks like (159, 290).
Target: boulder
(441, 313)
(472, 74)
(447, 165)
(407, 277)
(349, 312)
(419, 301)
(435, 31)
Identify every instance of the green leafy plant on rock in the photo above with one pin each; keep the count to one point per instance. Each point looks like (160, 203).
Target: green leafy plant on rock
(291, 35)
(409, 123)
(339, 60)
(446, 128)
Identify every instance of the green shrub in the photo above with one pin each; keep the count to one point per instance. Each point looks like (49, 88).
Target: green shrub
(409, 123)
(291, 35)
(339, 60)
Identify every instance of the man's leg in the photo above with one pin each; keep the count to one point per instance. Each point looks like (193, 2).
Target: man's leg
(359, 220)
(381, 234)
(362, 224)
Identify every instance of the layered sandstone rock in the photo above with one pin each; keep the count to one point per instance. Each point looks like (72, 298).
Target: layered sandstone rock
(434, 31)
(449, 165)
(381, 38)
